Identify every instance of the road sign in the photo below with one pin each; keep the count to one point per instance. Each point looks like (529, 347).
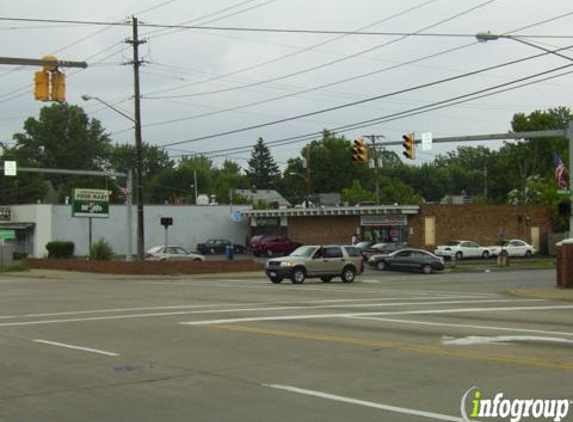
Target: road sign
(236, 216)
(9, 168)
(90, 203)
(427, 141)
(7, 234)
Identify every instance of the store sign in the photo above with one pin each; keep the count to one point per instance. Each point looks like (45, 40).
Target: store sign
(5, 213)
(90, 203)
(7, 234)
(384, 220)
(269, 222)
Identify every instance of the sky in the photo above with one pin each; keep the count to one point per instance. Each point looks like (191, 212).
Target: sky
(216, 89)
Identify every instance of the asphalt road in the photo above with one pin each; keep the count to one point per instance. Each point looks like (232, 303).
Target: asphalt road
(389, 347)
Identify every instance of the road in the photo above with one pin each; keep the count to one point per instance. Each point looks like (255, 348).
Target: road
(389, 347)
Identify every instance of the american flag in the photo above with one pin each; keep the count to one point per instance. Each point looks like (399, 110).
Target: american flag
(559, 170)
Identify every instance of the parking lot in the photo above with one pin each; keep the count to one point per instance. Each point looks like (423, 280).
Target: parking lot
(391, 346)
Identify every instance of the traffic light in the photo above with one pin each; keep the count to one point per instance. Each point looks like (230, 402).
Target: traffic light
(58, 86)
(409, 146)
(42, 86)
(360, 151)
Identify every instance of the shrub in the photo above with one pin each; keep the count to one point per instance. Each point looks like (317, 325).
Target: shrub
(60, 249)
(18, 256)
(101, 250)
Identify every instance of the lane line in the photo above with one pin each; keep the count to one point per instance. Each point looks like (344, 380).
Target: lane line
(257, 309)
(478, 327)
(379, 406)
(384, 313)
(84, 349)
(407, 347)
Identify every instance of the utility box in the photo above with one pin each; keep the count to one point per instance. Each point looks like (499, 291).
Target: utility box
(564, 262)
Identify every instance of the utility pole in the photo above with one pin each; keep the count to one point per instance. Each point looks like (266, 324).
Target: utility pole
(135, 42)
(373, 146)
(308, 176)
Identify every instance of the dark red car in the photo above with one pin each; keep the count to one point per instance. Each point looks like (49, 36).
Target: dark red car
(272, 245)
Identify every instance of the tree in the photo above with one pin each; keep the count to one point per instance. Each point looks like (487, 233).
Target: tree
(356, 194)
(263, 171)
(63, 137)
(155, 159)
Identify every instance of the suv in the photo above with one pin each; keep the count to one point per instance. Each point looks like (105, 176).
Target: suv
(314, 261)
(272, 245)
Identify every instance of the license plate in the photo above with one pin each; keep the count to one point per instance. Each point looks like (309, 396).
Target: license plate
(272, 274)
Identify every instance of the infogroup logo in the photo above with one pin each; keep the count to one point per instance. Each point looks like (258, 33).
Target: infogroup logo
(515, 410)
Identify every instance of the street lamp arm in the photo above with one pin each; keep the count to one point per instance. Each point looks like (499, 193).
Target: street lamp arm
(87, 97)
(488, 36)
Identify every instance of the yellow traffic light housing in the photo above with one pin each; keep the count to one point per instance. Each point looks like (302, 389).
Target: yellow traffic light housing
(58, 86)
(42, 86)
(409, 146)
(359, 151)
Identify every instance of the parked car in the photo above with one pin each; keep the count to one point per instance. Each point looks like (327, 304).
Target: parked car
(382, 249)
(272, 245)
(363, 245)
(514, 247)
(462, 249)
(171, 253)
(217, 246)
(313, 261)
(408, 260)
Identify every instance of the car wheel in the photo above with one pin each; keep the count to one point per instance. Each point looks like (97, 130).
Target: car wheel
(427, 269)
(197, 260)
(485, 254)
(298, 275)
(276, 280)
(326, 279)
(348, 275)
(459, 256)
(381, 265)
(528, 254)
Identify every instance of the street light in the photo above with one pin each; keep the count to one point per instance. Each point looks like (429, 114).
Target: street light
(307, 181)
(138, 172)
(488, 36)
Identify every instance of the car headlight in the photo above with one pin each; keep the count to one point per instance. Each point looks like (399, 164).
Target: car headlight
(286, 264)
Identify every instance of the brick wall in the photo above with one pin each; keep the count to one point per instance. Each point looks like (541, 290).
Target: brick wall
(323, 230)
(480, 223)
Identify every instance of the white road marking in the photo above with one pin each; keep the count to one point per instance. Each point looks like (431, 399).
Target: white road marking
(360, 314)
(257, 309)
(69, 346)
(478, 327)
(501, 340)
(373, 405)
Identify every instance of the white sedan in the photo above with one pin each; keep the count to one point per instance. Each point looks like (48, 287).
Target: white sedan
(514, 247)
(171, 253)
(460, 249)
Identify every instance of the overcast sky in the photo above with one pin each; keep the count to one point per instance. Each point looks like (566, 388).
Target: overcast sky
(197, 83)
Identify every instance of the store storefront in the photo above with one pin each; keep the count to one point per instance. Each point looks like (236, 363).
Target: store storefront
(384, 228)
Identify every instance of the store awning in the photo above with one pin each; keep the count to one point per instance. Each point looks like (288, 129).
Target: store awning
(15, 226)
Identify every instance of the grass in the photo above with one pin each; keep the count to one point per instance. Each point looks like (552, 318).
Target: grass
(13, 268)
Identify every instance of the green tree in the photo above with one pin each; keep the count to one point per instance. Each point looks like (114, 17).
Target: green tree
(263, 171)
(63, 137)
(356, 194)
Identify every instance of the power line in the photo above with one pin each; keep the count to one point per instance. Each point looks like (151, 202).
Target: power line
(407, 113)
(354, 103)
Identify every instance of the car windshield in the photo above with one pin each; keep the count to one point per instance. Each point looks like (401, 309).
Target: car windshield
(380, 245)
(304, 251)
(453, 243)
(155, 249)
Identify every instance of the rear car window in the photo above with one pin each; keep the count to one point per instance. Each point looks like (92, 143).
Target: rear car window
(352, 251)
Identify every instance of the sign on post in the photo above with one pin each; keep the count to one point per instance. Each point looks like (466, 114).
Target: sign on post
(90, 203)
(427, 141)
(10, 168)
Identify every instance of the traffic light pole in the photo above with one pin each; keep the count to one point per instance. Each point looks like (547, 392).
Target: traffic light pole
(376, 163)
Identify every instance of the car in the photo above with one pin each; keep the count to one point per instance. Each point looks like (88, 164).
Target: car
(382, 249)
(513, 247)
(273, 245)
(219, 246)
(316, 261)
(408, 259)
(364, 244)
(460, 249)
(172, 253)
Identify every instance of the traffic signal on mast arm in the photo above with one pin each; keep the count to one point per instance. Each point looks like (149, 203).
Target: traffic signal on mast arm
(409, 146)
(359, 151)
(42, 86)
(58, 86)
